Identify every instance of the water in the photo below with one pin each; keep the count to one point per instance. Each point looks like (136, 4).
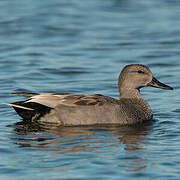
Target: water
(80, 47)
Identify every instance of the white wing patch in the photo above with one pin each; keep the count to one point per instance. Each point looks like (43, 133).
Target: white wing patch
(50, 100)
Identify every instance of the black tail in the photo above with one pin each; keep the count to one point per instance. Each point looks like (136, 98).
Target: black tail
(33, 111)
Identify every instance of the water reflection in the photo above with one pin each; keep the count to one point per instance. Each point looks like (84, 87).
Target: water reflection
(130, 136)
(71, 140)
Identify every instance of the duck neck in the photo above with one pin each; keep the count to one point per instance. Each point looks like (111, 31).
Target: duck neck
(129, 93)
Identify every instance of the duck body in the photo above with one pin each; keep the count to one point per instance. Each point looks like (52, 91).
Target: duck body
(71, 110)
(80, 109)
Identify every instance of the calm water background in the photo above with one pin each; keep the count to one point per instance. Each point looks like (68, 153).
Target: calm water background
(80, 47)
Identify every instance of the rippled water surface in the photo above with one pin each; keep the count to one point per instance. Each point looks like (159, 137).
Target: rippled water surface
(80, 47)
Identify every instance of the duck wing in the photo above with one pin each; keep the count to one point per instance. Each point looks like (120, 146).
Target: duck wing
(53, 100)
(28, 95)
(39, 105)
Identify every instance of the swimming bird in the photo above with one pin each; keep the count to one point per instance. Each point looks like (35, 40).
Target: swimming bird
(85, 109)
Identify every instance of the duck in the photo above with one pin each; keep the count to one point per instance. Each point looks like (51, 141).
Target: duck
(63, 109)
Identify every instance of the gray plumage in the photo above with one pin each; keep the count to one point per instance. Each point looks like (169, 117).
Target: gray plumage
(69, 109)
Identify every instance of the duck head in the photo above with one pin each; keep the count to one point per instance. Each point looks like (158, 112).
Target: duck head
(136, 76)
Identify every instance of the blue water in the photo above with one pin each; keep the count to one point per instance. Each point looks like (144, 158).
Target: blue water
(80, 47)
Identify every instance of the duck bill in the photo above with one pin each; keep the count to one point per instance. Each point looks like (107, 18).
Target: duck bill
(157, 84)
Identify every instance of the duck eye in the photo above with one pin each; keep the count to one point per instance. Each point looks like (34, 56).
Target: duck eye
(140, 71)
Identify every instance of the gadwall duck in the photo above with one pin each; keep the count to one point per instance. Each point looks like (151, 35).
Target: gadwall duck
(84, 109)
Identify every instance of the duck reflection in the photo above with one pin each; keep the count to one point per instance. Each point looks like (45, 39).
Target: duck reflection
(53, 137)
(66, 140)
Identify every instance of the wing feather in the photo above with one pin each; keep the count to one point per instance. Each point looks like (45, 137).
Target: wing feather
(52, 100)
